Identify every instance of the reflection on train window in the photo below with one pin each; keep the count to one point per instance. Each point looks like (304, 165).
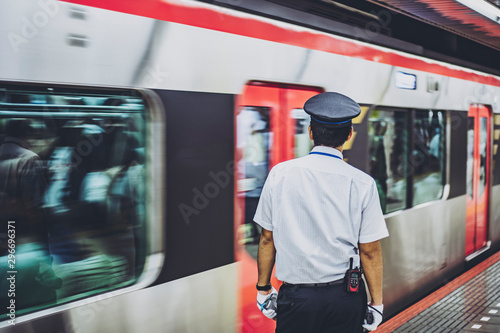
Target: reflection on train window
(72, 178)
(483, 137)
(303, 144)
(428, 158)
(254, 141)
(470, 155)
(388, 141)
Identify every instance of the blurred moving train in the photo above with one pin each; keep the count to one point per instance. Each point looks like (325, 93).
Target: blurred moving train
(151, 127)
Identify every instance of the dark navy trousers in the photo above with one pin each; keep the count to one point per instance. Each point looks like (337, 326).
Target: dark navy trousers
(320, 309)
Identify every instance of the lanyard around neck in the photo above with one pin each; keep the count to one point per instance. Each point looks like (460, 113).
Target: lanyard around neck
(326, 154)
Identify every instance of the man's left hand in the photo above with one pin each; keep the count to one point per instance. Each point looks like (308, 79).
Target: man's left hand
(374, 316)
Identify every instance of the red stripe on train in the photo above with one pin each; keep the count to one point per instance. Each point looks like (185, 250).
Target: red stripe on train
(213, 19)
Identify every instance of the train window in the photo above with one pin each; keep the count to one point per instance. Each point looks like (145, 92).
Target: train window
(72, 175)
(428, 158)
(396, 162)
(388, 140)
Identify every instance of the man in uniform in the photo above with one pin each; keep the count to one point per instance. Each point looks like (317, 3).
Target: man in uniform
(320, 217)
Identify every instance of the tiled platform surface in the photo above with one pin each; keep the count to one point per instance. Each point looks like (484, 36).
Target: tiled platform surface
(469, 303)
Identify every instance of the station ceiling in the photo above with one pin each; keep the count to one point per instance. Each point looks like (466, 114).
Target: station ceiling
(445, 30)
(453, 16)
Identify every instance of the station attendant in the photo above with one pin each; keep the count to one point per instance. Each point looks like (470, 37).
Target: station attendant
(321, 217)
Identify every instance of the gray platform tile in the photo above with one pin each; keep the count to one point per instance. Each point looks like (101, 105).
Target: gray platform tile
(419, 320)
(489, 311)
(416, 329)
(486, 319)
(473, 307)
(482, 327)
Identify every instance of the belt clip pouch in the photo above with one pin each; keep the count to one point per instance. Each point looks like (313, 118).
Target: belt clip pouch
(352, 278)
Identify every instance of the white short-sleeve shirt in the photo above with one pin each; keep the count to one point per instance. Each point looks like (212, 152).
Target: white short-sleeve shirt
(319, 208)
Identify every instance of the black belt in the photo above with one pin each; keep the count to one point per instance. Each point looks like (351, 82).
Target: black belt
(316, 285)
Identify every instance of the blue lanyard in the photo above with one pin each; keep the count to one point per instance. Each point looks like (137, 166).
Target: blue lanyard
(326, 154)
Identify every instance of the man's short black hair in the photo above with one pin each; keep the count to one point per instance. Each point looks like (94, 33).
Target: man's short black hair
(331, 137)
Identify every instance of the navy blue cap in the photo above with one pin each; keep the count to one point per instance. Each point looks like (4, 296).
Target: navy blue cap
(333, 110)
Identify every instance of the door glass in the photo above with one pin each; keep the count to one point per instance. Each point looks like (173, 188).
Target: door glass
(254, 141)
(483, 137)
(303, 144)
(470, 156)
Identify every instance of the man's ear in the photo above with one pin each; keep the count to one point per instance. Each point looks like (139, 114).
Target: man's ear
(350, 134)
(310, 133)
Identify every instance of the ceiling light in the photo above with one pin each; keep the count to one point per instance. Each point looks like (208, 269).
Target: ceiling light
(484, 8)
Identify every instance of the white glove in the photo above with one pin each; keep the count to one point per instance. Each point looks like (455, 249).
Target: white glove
(373, 317)
(267, 303)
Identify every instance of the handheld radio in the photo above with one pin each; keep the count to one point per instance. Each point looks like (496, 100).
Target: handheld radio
(352, 278)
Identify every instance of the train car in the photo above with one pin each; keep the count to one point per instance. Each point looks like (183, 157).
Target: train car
(147, 130)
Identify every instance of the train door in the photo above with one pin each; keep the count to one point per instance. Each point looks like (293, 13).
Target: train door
(478, 178)
(270, 128)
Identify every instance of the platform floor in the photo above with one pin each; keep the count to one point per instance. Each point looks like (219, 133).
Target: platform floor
(469, 303)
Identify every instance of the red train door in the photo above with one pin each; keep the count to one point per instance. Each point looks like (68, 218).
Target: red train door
(270, 125)
(478, 178)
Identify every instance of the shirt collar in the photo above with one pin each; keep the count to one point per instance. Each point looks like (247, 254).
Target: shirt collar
(328, 150)
(19, 142)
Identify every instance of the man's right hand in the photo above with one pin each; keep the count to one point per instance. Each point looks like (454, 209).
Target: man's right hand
(267, 303)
